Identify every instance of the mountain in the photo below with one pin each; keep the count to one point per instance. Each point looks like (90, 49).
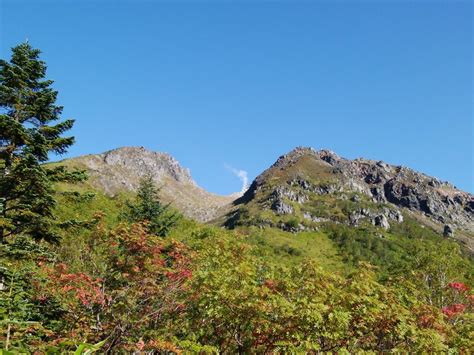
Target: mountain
(120, 170)
(306, 189)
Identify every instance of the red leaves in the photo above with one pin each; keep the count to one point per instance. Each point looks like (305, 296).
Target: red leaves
(82, 287)
(144, 277)
(270, 284)
(180, 275)
(161, 346)
(464, 301)
(140, 345)
(453, 310)
(458, 286)
(427, 317)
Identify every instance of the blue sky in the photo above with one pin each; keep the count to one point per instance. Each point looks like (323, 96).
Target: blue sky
(238, 83)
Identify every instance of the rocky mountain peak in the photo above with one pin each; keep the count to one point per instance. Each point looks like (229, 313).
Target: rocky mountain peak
(303, 173)
(120, 170)
(144, 161)
(293, 156)
(328, 156)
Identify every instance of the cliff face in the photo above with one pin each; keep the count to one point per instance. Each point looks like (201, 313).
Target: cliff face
(121, 170)
(406, 188)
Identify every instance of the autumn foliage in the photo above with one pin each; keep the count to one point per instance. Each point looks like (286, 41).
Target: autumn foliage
(133, 286)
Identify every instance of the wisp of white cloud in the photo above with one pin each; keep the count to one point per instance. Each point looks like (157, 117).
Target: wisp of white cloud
(242, 175)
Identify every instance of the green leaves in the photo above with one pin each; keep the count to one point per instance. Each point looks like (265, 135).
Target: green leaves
(85, 349)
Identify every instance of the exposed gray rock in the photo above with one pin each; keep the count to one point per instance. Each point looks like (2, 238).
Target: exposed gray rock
(283, 192)
(317, 189)
(305, 185)
(356, 198)
(381, 221)
(376, 218)
(310, 217)
(395, 215)
(470, 207)
(280, 207)
(404, 187)
(144, 161)
(378, 194)
(448, 231)
(293, 229)
(355, 218)
(327, 189)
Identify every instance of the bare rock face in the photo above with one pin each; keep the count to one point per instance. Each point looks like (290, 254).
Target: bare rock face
(143, 162)
(121, 169)
(406, 188)
(280, 207)
(381, 218)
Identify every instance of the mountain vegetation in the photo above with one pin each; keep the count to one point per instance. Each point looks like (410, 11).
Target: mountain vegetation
(148, 209)
(321, 254)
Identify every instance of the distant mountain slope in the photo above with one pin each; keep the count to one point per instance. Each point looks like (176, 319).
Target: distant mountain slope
(120, 170)
(306, 188)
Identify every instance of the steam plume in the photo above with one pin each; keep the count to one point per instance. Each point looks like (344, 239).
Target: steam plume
(242, 175)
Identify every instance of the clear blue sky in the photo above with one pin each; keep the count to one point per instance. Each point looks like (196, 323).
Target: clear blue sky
(240, 83)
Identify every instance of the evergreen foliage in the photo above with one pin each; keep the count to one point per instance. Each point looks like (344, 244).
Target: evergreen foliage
(30, 129)
(148, 208)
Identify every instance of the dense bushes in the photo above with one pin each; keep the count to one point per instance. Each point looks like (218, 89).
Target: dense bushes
(136, 291)
(239, 304)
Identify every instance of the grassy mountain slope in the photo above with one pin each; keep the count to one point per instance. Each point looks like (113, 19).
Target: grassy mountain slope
(306, 190)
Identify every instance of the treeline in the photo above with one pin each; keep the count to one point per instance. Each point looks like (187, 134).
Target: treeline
(151, 281)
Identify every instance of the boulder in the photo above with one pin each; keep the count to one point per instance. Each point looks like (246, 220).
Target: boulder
(448, 231)
(381, 221)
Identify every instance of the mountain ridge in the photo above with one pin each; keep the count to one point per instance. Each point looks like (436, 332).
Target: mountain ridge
(313, 182)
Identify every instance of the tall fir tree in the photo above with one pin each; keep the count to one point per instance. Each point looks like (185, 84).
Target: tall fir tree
(30, 129)
(148, 208)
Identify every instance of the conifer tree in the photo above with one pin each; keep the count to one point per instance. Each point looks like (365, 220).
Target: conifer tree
(30, 129)
(148, 208)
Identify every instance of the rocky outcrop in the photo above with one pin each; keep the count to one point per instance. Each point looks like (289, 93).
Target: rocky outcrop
(144, 161)
(381, 221)
(377, 218)
(308, 216)
(282, 192)
(280, 207)
(321, 189)
(403, 187)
